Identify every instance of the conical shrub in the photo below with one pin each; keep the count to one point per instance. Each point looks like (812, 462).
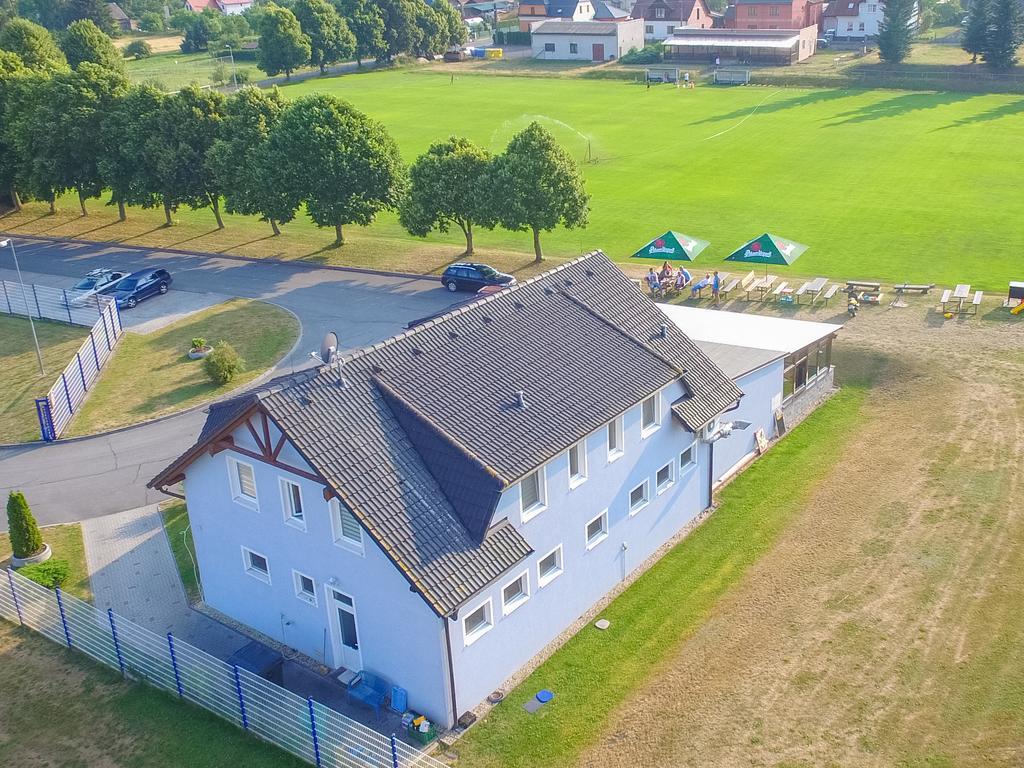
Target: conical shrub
(26, 540)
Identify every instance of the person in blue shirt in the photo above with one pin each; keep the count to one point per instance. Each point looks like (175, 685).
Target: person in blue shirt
(716, 286)
(653, 283)
(698, 287)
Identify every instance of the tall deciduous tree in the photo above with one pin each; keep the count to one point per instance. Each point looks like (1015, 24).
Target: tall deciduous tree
(344, 166)
(84, 41)
(190, 122)
(34, 46)
(366, 22)
(974, 37)
(94, 10)
(129, 169)
(11, 68)
(283, 46)
(535, 185)
(454, 29)
(34, 173)
(400, 30)
(896, 30)
(431, 31)
(330, 39)
(238, 159)
(1005, 34)
(447, 186)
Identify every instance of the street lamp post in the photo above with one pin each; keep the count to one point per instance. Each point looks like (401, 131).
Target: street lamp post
(24, 297)
(234, 72)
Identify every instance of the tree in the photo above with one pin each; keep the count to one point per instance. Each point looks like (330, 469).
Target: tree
(1005, 34)
(344, 166)
(238, 159)
(895, 30)
(535, 185)
(138, 49)
(974, 37)
(151, 22)
(94, 10)
(10, 64)
(188, 125)
(455, 32)
(283, 47)
(447, 187)
(400, 29)
(366, 22)
(330, 39)
(202, 28)
(51, 14)
(26, 540)
(11, 68)
(34, 175)
(84, 41)
(34, 46)
(129, 169)
(181, 19)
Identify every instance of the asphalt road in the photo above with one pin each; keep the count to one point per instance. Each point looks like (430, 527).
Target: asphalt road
(88, 477)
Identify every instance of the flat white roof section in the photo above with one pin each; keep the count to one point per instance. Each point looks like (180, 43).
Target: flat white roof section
(741, 42)
(719, 326)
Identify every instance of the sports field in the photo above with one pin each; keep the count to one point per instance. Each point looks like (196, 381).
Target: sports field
(880, 184)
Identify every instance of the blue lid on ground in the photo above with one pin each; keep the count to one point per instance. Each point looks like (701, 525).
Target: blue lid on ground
(545, 696)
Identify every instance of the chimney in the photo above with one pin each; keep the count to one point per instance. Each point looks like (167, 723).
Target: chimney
(664, 330)
(521, 399)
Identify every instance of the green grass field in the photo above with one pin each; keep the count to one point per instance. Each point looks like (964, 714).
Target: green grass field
(174, 70)
(67, 544)
(883, 184)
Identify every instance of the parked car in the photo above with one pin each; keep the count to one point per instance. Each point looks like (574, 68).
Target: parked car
(824, 42)
(466, 276)
(93, 282)
(130, 290)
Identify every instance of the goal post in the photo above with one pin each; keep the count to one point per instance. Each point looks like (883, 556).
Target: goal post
(732, 76)
(661, 75)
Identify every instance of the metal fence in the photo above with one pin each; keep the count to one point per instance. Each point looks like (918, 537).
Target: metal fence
(69, 390)
(304, 727)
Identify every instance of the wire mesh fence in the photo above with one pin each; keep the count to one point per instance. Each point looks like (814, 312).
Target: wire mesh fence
(75, 308)
(307, 729)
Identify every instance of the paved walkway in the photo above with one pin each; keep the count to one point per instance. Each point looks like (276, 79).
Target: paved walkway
(133, 572)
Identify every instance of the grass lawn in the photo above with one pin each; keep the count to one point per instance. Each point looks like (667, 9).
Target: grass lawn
(173, 70)
(151, 375)
(890, 185)
(595, 671)
(176, 525)
(66, 543)
(61, 709)
(21, 380)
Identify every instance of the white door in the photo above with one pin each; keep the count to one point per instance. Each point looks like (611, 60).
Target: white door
(344, 630)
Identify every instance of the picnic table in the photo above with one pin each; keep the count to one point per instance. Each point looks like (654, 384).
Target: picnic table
(761, 286)
(812, 289)
(961, 294)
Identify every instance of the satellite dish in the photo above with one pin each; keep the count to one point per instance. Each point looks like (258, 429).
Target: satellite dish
(328, 348)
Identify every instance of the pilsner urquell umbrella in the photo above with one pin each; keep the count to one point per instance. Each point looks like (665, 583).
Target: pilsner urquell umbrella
(768, 249)
(672, 246)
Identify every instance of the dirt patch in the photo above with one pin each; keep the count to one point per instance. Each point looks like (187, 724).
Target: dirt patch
(159, 43)
(884, 628)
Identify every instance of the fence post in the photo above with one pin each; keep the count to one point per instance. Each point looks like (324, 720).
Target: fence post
(174, 664)
(241, 698)
(118, 328)
(14, 595)
(35, 296)
(312, 730)
(81, 371)
(394, 751)
(103, 319)
(95, 354)
(7, 298)
(67, 305)
(117, 642)
(67, 392)
(63, 617)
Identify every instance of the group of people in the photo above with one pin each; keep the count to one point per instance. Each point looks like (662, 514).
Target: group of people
(660, 282)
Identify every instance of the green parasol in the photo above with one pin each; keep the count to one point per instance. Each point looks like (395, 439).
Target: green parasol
(672, 246)
(768, 249)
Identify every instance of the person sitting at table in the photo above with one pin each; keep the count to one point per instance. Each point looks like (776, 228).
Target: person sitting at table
(683, 278)
(653, 282)
(696, 288)
(666, 272)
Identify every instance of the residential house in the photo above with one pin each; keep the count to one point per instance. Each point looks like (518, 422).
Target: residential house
(773, 14)
(564, 10)
(858, 19)
(121, 19)
(586, 40)
(234, 7)
(607, 12)
(663, 17)
(198, 6)
(439, 507)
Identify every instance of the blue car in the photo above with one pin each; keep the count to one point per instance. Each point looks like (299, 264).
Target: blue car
(130, 290)
(466, 276)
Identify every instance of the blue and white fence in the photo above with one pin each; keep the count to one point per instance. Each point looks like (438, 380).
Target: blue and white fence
(304, 727)
(99, 313)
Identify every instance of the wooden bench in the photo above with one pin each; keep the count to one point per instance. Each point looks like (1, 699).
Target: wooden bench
(976, 302)
(945, 299)
(783, 292)
(923, 289)
(832, 291)
(863, 285)
(735, 283)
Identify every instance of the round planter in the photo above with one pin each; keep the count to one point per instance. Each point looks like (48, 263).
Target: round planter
(40, 557)
(199, 354)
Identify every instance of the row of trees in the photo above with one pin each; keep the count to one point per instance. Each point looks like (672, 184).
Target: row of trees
(994, 30)
(58, 14)
(38, 50)
(87, 130)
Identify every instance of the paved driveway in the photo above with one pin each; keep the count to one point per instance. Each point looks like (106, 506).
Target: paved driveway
(85, 478)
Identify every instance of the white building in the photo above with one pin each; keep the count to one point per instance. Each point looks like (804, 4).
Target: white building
(858, 20)
(586, 40)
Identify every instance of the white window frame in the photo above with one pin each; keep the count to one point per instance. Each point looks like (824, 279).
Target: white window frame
(337, 530)
(615, 426)
(287, 505)
(256, 573)
(306, 597)
(542, 580)
(252, 502)
(593, 542)
(528, 513)
(646, 485)
(659, 13)
(660, 489)
(690, 451)
(508, 607)
(470, 637)
(650, 429)
(581, 460)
